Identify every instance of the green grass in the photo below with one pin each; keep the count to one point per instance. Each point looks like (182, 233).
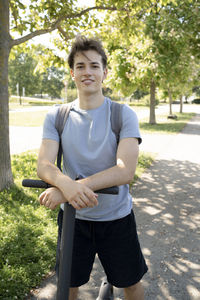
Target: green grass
(144, 162)
(28, 231)
(27, 234)
(166, 126)
(34, 118)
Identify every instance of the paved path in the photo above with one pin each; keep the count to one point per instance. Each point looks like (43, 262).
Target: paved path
(24, 138)
(27, 138)
(167, 206)
(166, 201)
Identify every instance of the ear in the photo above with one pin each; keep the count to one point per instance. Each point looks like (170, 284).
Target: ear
(72, 74)
(105, 72)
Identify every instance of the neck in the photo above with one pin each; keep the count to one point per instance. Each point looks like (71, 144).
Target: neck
(87, 102)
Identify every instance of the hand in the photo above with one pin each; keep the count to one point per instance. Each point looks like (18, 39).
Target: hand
(51, 198)
(79, 195)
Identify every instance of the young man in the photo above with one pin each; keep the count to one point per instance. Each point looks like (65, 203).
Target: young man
(105, 224)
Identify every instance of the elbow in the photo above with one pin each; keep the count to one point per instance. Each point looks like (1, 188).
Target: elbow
(40, 169)
(129, 177)
(126, 175)
(126, 172)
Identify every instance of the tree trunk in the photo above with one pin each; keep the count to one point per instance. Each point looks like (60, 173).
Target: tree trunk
(152, 118)
(170, 101)
(181, 104)
(6, 178)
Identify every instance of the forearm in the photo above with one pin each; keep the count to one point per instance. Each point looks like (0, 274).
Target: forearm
(77, 194)
(46, 168)
(122, 173)
(51, 174)
(114, 176)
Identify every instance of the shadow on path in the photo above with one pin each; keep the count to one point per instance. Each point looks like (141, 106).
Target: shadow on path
(167, 207)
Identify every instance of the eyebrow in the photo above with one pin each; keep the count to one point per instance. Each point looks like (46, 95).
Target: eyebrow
(92, 63)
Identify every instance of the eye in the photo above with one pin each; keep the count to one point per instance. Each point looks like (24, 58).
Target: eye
(95, 66)
(79, 67)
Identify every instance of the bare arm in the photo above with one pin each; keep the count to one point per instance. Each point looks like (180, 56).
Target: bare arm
(124, 170)
(76, 193)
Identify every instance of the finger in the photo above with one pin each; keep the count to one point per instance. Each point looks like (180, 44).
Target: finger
(45, 200)
(92, 197)
(52, 206)
(75, 205)
(41, 197)
(82, 202)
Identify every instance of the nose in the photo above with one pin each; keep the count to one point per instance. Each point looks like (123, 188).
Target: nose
(87, 70)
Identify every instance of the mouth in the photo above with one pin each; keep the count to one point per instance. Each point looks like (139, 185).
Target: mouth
(87, 81)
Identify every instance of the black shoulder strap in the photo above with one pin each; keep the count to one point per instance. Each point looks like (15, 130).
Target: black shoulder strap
(62, 115)
(116, 118)
(61, 119)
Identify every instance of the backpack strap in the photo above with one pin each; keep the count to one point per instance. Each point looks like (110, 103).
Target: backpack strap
(116, 118)
(61, 119)
(62, 115)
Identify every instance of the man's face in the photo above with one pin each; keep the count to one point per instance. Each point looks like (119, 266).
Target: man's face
(88, 72)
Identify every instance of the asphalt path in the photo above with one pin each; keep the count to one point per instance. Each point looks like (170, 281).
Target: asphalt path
(27, 138)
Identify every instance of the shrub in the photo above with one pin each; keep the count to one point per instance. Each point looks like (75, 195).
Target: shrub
(196, 101)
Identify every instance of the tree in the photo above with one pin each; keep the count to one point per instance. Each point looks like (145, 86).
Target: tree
(133, 65)
(173, 30)
(52, 82)
(29, 70)
(39, 18)
(157, 48)
(21, 72)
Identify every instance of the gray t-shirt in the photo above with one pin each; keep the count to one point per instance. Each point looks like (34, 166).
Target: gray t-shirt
(89, 146)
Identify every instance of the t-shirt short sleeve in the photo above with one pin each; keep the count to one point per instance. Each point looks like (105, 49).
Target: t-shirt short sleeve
(49, 130)
(130, 124)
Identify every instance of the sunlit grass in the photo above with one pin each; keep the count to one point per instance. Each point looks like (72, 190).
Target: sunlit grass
(28, 233)
(34, 118)
(165, 125)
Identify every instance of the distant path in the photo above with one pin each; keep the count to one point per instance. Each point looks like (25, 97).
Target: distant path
(24, 138)
(27, 138)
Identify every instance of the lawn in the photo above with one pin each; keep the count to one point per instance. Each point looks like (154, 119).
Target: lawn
(166, 126)
(27, 234)
(27, 118)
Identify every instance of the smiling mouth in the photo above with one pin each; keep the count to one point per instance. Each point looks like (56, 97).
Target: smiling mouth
(87, 81)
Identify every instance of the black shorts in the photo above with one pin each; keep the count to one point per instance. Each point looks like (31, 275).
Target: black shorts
(115, 242)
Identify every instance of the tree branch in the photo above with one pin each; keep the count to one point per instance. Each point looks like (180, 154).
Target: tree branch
(56, 24)
(30, 36)
(64, 34)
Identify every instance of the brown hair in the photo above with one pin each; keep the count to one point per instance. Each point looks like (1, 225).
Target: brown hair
(82, 43)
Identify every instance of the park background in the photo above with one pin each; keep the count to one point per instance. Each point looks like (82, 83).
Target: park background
(153, 51)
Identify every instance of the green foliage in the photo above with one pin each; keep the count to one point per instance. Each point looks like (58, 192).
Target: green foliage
(21, 72)
(196, 90)
(196, 101)
(52, 82)
(145, 160)
(27, 234)
(158, 43)
(30, 69)
(150, 39)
